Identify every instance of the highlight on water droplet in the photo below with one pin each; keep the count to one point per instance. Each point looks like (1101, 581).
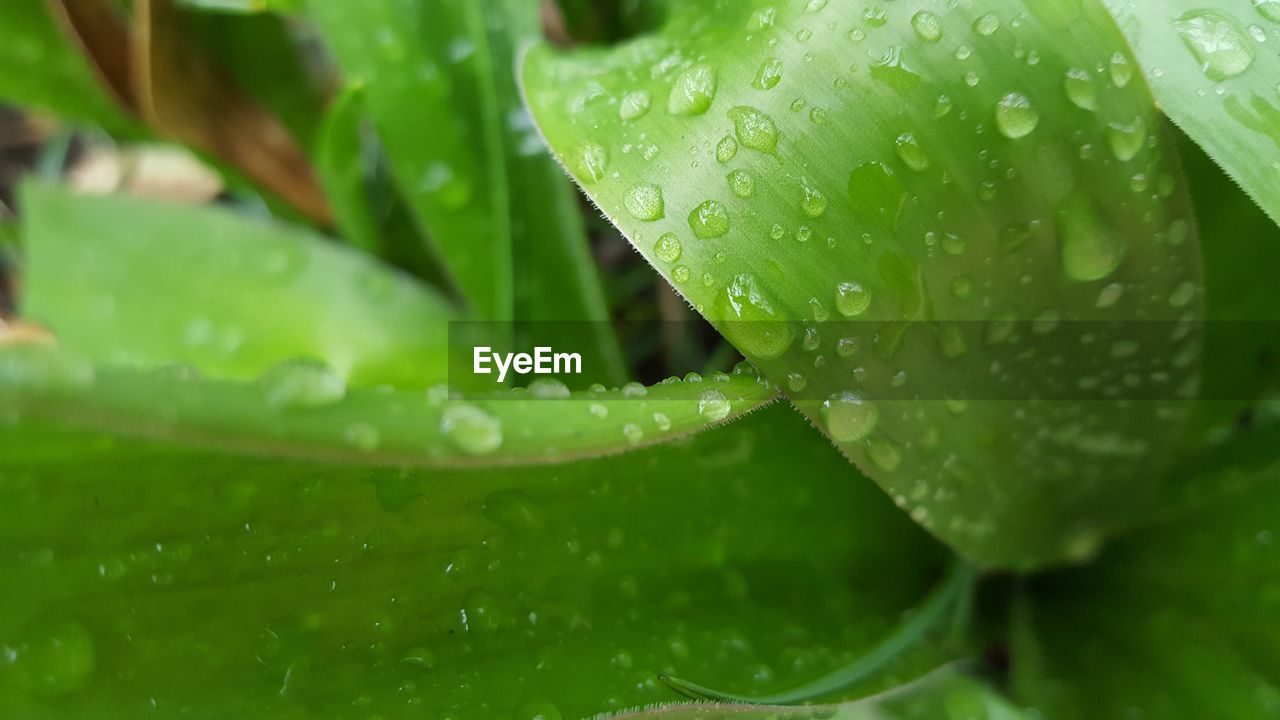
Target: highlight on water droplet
(668, 248)
(709, 220)
(301, 383)
(910, 152)
(754, 129)
(1269, 9)
(726, 149)
(634, 104)
(1091, 249)
(848, 417)
(591, 160)
(768, 74)
(470, 429)
(693, 91)
(928, 26)
(742, 183)
(986, 25)
(713, 406)
(1121, 70)
(1127, 139)
(1080, 89)
(752, 323)
(644, 202)
(852, 299)
(1016, 117)
(1217, 42)
(812, 202)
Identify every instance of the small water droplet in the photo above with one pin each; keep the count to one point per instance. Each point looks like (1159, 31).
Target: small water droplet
(709, 220)
(910, 152)
(644, 202)
(362, 436)
(1127, 139)
(814, 203)
(852, 299)
(713, 406)
(591, 161)
(1217, 42)
(1183, 294)
(742, 183)
(768, 74)
(633, 433)
(1121, 70)
(693, 91)
(1015, 116)
(928, 26)
(754, 129)
(548, 389)
(849, 418)
(987, 25)
(726, 149)
(892, 69)
(796, 381)
(634, 104)
(301, 383)
(884, 454)
(470, 429)
(668, 248)
(1080, 89)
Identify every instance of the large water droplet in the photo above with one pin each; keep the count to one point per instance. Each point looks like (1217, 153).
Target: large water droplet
(753, 323)
(849, 418)
(1217, 42)
(1091, 250)
(1121, 70)
(852, 299)
(1126, 139)
(470, 429)
(644, 202)
(301, 383)
(1015, 116)
(668, 248)
(1269, 9)
(768, 75)
(742, 183)
(1080, 89)
(754, 129)
(709, 220)
(693, 91)
(927, 25)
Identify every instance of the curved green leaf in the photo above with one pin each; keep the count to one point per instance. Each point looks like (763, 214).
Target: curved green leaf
(305, 409)
(145, 283)
(873, 206)
(1210, 66)
(303, 590)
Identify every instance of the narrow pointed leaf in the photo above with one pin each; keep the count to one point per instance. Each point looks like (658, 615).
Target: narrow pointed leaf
(1211, 67)
(875, 207)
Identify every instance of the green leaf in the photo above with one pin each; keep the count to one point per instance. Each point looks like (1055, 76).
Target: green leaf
(881, 212)
(296, 589)
(41, 68)
(247, 6)
(304, 408)
(343, 166)
(144, 283)
(1177, 619)
(1215, 76)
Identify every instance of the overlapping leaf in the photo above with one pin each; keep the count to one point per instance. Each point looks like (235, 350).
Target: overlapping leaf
(884, 208)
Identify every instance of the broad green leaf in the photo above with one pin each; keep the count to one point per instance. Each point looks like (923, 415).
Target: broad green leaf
(157, 578)
(480, 182)
(144, 283)
(41, 68)
(1214, 74)
(304, 408)
(1178, 620)
(887, 209)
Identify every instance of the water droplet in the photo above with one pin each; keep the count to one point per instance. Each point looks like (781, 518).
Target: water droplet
(515, 511)
(892, 70)
(709, 220)
(1109, 296)
(470, 429)
(1091, 250)
(1080, 89)
(1126, 139)
(668, 248)
(814, 203)
(742, 183)
(927, 25)
(877, 193)
(910, 152)
(644, 202)
(301, 383)
(847, 347)
(987, 25)
(852, 299)
(753, 323)
(1183, 294)
(1121, 70)
(591, 161)
(849, 418)
(548, 389)
(768, 74)
(634, 104)
(961, 287)
(818, 116)
(362, 436)
(726, 149)
(633, 433)
(713, 406)
(754, 129)
(50, 658)
(1015, 116)
(1269, 9)
(693, 91)
(884, 454)
(1217, 42)
(796, 381)
(680, 274)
